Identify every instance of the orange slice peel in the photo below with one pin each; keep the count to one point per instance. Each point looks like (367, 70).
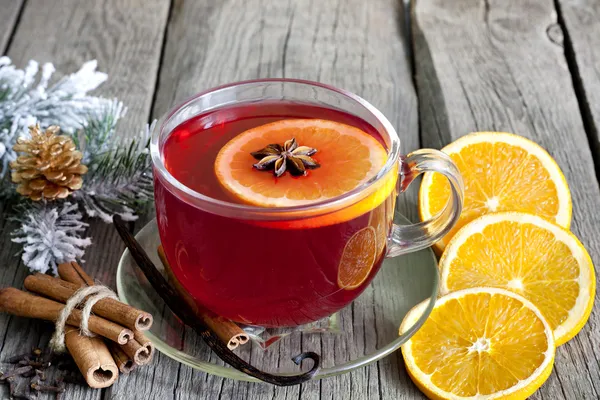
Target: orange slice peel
(347, 158)
(502, 172)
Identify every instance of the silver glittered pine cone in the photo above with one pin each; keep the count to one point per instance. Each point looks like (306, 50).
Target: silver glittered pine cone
(49, 165)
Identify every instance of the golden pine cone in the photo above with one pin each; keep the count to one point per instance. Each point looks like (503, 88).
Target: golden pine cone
(50, 167)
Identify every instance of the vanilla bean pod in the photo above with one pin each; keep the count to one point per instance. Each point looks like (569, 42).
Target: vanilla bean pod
(187, 315)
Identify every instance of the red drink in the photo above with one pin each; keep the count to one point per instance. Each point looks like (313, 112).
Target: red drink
(268, 273)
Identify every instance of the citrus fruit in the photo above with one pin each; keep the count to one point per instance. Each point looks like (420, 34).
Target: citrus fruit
(358, 258)
(479, 343)
(528, 255)
(501, 172)
(381, 219)
(348, 157)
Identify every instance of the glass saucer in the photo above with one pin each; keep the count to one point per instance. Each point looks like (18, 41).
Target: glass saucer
(368, 328)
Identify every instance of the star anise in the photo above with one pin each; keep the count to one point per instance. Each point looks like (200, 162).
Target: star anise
(289, 157)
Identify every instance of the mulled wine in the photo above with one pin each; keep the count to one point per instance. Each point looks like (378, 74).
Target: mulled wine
(284, 271)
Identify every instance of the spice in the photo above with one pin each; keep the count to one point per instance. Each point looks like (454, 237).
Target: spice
(41, 375)
(126, 356)
(136, 352)
(48, 388)
(16, 372)
(23, 304)
(92, 358)
(290, 157)
(98, 365)
(229, 333)
(16, 359)
(72, 272)
(144, 342)
(35, 382)
(108, 308)
(124, 363)
(186, 313)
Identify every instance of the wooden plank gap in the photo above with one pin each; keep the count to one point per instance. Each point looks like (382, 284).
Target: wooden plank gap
(585, 109)
(12, 10)
(162, 58)
(511, 74)
(405, 28)
(177, 377)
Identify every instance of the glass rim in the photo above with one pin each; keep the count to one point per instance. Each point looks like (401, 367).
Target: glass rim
(219, 206)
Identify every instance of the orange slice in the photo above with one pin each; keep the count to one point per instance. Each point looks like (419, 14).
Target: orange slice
(381, 219)
(348, 157)
(358, 258)
(528, 255)
(501, 172)
(479, 344)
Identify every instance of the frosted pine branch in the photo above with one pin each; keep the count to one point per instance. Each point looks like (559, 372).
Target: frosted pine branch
(50, 234)
(120, 180)
(98, 135)
(26, 98)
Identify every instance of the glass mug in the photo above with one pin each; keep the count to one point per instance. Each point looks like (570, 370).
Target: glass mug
(287, 266)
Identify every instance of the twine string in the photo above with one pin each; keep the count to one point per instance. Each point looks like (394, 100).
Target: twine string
(88, 296)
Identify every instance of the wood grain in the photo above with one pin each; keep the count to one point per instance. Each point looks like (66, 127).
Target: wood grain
(492, 65)
(10, 14)
(579, 20)
(480, 65)
(126, 38)
(354, 45)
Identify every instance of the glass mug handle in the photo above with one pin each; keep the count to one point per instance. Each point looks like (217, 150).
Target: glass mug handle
(408, 238)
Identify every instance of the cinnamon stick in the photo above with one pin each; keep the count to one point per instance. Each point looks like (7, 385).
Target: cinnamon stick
(136, 352)
(92, 358)
(110, 309)
(72, 272)
(226, 330)
(124, 363)
(23, 304)
(145, 342)
(125, 357)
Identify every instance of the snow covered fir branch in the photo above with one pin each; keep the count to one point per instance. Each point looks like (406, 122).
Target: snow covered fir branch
(50, 234)
(118, 180)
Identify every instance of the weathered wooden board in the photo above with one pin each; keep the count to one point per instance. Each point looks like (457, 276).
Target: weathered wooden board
(580, 20)
(10, 14)
(491, 65)
(355, 45)
(126, 39)
(480, 65)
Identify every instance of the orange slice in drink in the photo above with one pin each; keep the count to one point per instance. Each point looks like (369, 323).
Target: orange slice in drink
(357, 259)
(348, 157)
(381, 219)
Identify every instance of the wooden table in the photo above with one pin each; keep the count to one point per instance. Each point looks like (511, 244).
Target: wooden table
(442, 70)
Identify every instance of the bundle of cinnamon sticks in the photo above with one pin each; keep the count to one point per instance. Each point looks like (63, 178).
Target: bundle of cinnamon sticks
(119, 345)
